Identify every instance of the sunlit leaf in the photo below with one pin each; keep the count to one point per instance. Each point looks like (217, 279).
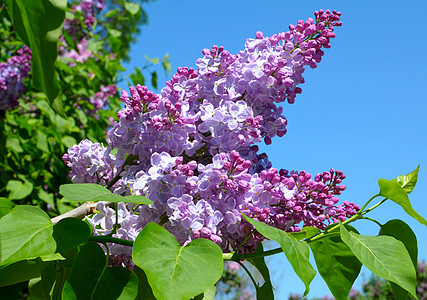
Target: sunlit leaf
(385, 256)
(393, 191)
(408, 181)
(176, 272)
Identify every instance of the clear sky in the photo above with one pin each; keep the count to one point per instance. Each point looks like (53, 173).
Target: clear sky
(362, 111)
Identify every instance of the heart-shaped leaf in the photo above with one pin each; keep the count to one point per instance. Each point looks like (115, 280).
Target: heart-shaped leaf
(385, 256)
(25, 232)
(101, 282)
(401, 231)
(20, 271)
(393, 191)
(70, 232)
(173, 271)
(336, 264)
(408, 181)
(297, 252)
(5, 206)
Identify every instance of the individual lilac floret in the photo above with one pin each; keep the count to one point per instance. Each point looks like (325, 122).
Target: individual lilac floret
(89, 163)
(12, 74)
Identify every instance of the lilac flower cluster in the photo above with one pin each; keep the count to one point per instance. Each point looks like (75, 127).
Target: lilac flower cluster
(12, 74)
(87, 8)
(100, 99)
(193, 148)
(90, 163)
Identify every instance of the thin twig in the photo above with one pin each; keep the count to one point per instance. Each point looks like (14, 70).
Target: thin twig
(80, 212)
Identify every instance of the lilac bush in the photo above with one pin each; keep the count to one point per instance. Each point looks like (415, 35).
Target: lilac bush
(191, 149)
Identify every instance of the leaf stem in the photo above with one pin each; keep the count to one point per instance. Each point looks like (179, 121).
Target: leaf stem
(370, 219)
(238, 257)
(110, 239)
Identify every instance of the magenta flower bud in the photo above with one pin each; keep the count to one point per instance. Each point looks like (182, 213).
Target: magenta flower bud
(259, 35)
(234, 155)
(246, 164)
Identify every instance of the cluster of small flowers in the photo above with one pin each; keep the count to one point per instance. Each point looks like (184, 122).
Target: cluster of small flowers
(90, 163)
(12, 74)
(101, 98)
(80, 31)
(194, 152)
(87, 8)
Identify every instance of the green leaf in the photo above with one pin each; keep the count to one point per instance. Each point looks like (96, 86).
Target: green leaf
(385, 256)
(26, 232)
(408, 181)
(305, 233)
(132, 7)
(42, 142)
(154, 79)
(393, 191)
(18, 189)
(144, 289)
(336, 264)
(114, 32)
(176, 272)
(40, 287)
(14, 145)
(207, 295)
(47, 111)
(20, 271)
(401, 231)
(297, 252)
(69, 141)
(82, 192)
(101, 282)
(266, 290)
(69, 233)
(5, 206)
(137, 77)
(29, 21)
(137, 199)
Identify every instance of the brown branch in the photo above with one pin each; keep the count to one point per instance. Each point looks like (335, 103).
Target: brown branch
(80, 212)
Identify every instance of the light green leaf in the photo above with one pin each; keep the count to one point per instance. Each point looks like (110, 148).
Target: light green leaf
(101, 282)
(297, 252)
(336, 264)
(29, 21)
(408, 181)
(132, 7)
(305, 233)
(393, 191)
(385, 256)
(42, 142)
(14, 145)
(69, 141)
(18, 189)
(47, 111)
(82, 192)
(5, 206)
(208, 295)
(25, 233)
(401, 231)
(266, 290)
(176, 272)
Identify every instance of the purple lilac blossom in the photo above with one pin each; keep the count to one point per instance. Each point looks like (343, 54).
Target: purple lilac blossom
(12, 74)
(194, 149)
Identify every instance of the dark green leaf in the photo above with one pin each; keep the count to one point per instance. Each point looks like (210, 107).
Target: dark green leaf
(408, 181)
(69, 233)
(5, 206)
(29, 20)
(176, 272)
(393, 191)
(385, 256)
(266, 290)
(40, 287)
(26, 232)
(154, 79)
(20, 271)
(101, 282)
(401, 231)
(297, 252)
(144, 289)
(336, 264)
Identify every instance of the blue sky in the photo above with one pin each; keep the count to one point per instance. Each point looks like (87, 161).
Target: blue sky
(362, 111)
